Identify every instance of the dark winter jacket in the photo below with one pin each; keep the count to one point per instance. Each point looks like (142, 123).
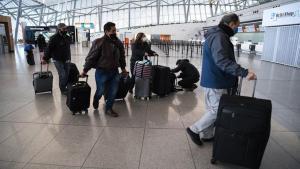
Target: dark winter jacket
(58, 48)
(138, 51)
(188, 70)
(41, 42)
(106, 54)
(219, 67)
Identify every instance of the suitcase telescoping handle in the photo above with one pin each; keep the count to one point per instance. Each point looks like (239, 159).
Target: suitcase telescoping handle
(42, 67)
(239, 89)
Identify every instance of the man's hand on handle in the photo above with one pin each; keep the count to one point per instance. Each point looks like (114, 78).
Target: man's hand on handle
(83, 74)
(124, 72)
(43, 61)
(251, 75)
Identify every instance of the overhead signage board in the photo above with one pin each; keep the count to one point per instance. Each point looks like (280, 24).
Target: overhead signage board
(283, 15)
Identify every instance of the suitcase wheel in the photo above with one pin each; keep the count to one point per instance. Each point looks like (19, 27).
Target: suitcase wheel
(86, 111)
(73, 112)
(213, 161)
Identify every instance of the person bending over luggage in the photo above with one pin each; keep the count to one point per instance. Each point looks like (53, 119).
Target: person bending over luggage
(106, 55)
(220, 73)
(189, 74)
(140, 48)
(28, 49)
(59, 50)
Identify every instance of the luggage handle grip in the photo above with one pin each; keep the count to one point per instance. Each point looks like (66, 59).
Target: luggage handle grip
(239, 89)
(85, 76)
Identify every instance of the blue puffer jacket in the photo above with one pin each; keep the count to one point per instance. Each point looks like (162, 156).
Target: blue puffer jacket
(219, 67)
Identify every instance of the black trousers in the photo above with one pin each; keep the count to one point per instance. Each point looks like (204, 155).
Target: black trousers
(188, 82)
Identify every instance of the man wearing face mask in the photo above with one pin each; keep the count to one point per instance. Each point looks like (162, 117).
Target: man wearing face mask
(106, 55)
(59, 50)
(220, 74)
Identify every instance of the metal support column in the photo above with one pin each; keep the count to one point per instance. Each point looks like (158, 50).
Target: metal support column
(41, 16)
(18, 20)
(158, 10)
(211, 9)
(188, 11)
(100, 15)
(74, 7)
(184, 10)
(216, 8)
(55, 19)
(129, 14)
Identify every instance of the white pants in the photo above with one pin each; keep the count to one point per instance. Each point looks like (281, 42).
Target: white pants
(205, 126)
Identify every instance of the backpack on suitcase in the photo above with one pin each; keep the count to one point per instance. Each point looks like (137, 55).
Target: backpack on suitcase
(42, 81)
(73, 75)
(161, 81)
(242, 130)
(78, 98)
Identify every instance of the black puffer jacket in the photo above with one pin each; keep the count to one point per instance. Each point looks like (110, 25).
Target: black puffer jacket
(188, 70)
(138, 51)
(58, 48)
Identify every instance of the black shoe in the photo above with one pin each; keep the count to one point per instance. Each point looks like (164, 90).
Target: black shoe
(95, 104)
(194, 136)
(112, 113)
(208, 139)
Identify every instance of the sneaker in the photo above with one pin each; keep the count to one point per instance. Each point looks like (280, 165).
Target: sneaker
(95, 104)
(111, 113)
(194, 136)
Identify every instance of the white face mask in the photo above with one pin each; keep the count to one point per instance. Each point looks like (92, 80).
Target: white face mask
(144, 39)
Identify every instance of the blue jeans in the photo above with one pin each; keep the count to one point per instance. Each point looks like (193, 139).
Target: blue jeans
(63, 73)
(111, 79)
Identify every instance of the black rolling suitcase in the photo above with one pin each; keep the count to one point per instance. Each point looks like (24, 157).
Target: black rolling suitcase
(78, 98)
(161, 80)
(242, 130)
(42, 81)
(30, 58)
(125, 84)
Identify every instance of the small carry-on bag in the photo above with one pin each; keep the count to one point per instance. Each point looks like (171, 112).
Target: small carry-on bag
(142, 88)
(73, 75)
(78, 97)
(161, 80)
(125, 84)
(30, 58)
(42, 81)
(242, 130)
(143, 76)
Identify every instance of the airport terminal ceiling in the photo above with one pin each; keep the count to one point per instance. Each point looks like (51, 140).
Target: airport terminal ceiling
(126, 13)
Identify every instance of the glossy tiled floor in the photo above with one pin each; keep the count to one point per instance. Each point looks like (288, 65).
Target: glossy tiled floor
(39, 132)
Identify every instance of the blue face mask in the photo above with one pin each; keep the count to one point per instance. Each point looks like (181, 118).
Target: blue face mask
(235, 30)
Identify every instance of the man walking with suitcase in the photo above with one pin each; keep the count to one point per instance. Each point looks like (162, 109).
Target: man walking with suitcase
(220, 74)
(59, 50)
(106, 55)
